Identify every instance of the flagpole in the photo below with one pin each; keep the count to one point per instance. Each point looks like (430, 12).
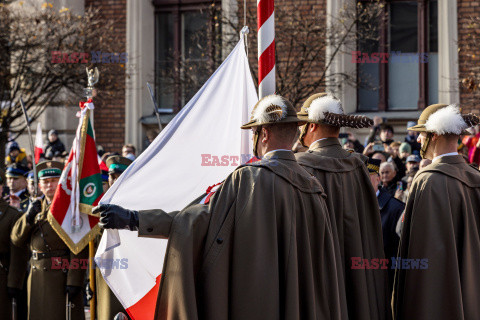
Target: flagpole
(266, 47)
(91, 272)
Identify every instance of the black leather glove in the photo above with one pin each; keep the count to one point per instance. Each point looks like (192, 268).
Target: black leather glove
(116, 217)
(33, 209)
(72, 291)
(14, 293)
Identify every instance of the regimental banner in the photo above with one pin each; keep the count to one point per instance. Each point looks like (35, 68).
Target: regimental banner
(79, 189)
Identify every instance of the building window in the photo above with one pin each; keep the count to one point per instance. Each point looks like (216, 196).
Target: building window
(187, 34)
(407, 77)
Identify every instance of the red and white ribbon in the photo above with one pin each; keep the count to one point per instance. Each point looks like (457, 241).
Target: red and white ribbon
(266, 47)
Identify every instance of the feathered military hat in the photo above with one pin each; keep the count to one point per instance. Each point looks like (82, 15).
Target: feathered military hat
(445, 119)
(272, 109)
(325, 108)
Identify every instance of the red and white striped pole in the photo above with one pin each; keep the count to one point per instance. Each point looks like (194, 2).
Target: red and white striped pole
(266, 47)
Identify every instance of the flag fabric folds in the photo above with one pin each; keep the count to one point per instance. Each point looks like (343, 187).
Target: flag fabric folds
(79, 189)
(198, 148)
(38, 149)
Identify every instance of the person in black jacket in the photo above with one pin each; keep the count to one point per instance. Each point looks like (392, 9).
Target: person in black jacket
(54, 145)
(390, 211)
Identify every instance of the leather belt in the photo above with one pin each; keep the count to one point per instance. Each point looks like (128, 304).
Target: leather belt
(37, 255)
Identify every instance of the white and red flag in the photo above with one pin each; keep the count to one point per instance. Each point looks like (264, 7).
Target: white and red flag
(38, 149)
(79, 189)
(198, 148)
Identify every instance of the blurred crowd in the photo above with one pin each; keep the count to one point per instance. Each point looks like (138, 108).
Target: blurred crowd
(18, 183)
(400, 160)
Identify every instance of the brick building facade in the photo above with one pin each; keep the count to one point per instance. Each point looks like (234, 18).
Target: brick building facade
(122, 119)
(110, 114)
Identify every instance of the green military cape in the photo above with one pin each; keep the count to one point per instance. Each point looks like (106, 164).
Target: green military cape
(262, 248)
(442, 224)
(355, 217)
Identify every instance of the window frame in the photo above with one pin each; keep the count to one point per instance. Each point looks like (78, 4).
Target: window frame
(176, 8)
(423, 16)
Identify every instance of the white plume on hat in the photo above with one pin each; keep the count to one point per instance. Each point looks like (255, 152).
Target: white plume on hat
(272, 106)
(446, 120)
(318, 107)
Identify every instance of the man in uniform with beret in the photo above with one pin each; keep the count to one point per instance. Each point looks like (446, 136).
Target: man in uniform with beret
(17, 184)
(441, 226)
(351, 202)
(12, 260)
(263, 245)
(53, 270)
(108, 305)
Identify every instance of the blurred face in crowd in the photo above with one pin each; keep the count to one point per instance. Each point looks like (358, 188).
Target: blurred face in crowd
(411, 164)
(386, 135)
(393, 150)
(112, 177)
(14, 153)
(387, 173)
(16, 184)
(48, 187)
(348, 145)
(411, 133)
(375, 180)
(52, 138)
(380, 157)
(31, 186)
(127, 150)
(404, 155)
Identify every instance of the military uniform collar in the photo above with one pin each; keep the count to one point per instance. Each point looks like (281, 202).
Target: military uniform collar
(444, 155)
(281, 154)
(325, 142)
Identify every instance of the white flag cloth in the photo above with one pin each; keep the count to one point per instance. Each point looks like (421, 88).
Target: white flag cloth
(38, 149)
(200, 147)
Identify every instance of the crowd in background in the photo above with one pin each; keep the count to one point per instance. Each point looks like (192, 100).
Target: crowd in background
(400, 160)
(18, 183)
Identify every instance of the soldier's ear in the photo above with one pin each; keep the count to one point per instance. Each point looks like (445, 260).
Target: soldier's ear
(265, 135)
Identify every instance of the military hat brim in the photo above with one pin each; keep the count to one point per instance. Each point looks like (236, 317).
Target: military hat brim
(117, 164)
(288, 119)
(49, 169)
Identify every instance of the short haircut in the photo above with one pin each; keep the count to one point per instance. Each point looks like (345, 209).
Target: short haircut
(395, 144)
(129, 145)
(329, 129)
(386, 127)
(388, 164)
(284, 131)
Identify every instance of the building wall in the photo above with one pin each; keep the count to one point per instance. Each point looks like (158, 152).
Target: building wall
(109, 115)
(468, 56)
